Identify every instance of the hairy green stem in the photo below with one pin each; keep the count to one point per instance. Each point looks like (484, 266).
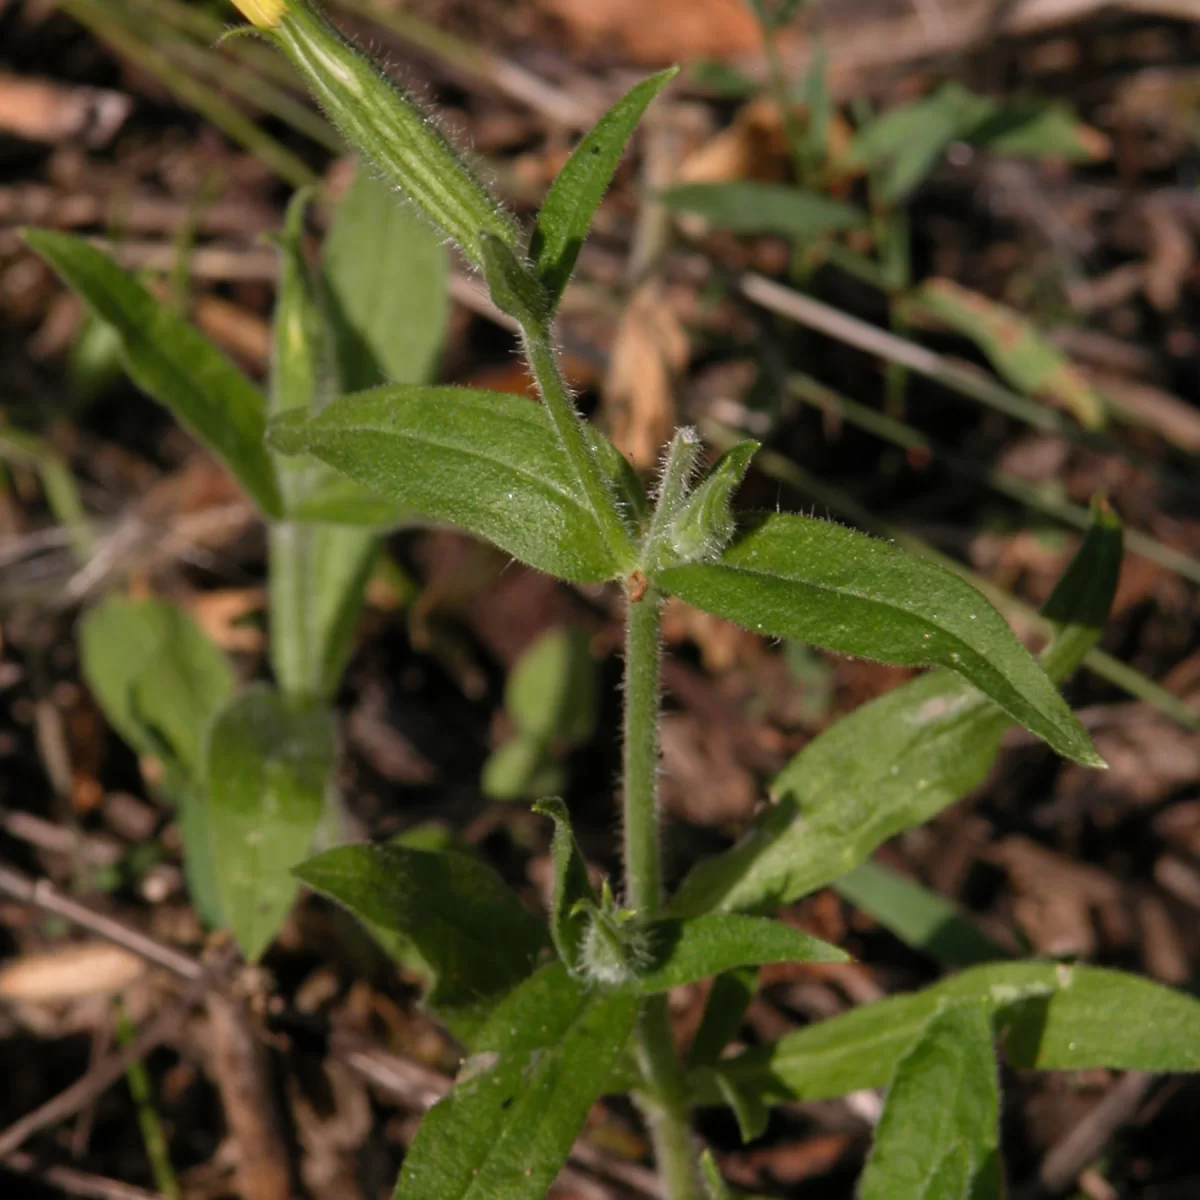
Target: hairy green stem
(543, 362)
(643, 860)
(665, 1105)
(664, 1101)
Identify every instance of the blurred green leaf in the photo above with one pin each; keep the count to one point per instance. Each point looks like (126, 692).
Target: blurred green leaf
(523, 768)
(1034, 129)
(749, 1109)
(552, 691)
(387, 279)
(1048, 1015)
(522, 1097)
(748, 207)
(724, 1011)
(567, 211)
(904, 145)
(795, 577)
(931, 741)
(1029, 362)
(938, 1138)
(158, 678)
(774, 14)
(488, 462)
(161, 683)
(712, 75)
(470, 930)
(58, 484)
(172, 362)
(917, 916)
(317, 573)
(94, 361)
(269, 765)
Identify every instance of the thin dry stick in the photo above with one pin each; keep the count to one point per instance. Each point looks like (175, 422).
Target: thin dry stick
(74, 1182)
(419, 1087)
(239, 1065)
(45, 896)
(1068, 1158)
(957, 377)
(103, 1075)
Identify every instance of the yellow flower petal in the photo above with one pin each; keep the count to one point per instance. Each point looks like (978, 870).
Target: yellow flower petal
(264, 14)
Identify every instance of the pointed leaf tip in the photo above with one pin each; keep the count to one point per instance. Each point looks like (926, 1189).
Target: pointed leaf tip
(817, 582)
(571, 203)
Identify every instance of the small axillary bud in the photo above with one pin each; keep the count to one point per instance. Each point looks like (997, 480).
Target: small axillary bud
(262, 14)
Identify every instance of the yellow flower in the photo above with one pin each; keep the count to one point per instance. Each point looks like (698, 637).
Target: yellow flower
(264, 14)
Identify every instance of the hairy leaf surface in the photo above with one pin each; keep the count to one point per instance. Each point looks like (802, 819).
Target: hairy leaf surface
(567, 211)
(895, 762)
(938, 1138)
(686, 951)
(484, 461)
(1049, 1016)
(470, 930)
(816, 582)
(518, 1104)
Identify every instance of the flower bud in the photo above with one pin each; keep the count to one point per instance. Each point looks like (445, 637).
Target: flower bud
(384, 125)
(262, 14)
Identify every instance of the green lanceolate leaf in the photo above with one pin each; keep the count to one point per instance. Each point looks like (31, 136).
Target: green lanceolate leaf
(903, 146)
(513, 286)
(895, 762)
(749, 1110)
(386, 276)
(573, 895)
(1030, 362)
(920, 918)
(172, 362)
(159, 680)
(520, 1100)
(817, 582)
(487, 462)
(551, 693)
(456, 913)
(938, 1138)
(1049, 1016)
(686, 951)
(756, 208)
(575, 194)
(269, 764)
(388, 129)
